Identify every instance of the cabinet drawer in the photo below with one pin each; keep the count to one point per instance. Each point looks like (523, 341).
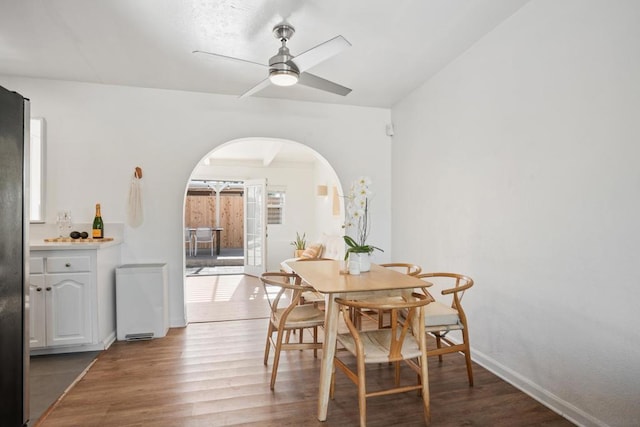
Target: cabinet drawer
(68, 264)
(36, 265)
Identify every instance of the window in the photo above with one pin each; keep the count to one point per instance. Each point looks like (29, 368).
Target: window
(36, 170)
(275, 206)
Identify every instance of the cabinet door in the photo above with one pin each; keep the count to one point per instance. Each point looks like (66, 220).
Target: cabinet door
(68, 309)
(37, 328)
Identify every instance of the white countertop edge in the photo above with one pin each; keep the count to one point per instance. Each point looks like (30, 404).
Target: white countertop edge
(51, 246)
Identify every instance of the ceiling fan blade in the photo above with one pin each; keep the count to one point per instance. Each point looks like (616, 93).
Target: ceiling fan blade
(321, 52)
(264, 83)
(314, 81)
(228, 57)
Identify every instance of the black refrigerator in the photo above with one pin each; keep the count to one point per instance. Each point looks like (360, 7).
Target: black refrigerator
(14, 247)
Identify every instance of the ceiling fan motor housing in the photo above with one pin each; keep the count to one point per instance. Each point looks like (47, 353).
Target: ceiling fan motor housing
(281, 63)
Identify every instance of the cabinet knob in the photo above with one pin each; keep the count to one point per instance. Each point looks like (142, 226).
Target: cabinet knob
(68, 264)
(38, 289)
(48, 288)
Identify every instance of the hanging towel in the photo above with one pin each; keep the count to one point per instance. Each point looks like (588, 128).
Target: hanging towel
(135, 214)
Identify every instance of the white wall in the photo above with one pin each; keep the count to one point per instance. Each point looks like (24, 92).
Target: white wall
(328, 223)
(518, 165)
(97, 134)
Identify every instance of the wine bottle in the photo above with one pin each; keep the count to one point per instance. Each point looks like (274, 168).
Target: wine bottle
(98, 225)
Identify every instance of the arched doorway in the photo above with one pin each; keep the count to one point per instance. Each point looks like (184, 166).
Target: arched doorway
(303, 190)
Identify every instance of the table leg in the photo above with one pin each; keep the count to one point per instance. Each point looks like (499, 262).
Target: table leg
(328, 352)
(192, 242)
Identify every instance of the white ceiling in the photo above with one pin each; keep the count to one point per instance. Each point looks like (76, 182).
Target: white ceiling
(396, 45)
(261, 152)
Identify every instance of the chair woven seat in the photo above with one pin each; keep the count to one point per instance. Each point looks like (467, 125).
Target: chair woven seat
(302, 316)
(438, 314)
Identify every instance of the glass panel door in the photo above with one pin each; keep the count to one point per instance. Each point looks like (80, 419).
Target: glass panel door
(255, 228)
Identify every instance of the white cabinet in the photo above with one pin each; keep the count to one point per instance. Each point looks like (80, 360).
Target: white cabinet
(37, 312)
(68, 309)
(60, 304)
(72, 300)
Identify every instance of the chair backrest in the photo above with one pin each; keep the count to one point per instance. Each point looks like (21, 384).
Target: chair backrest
(204, 233)
(187, 234)
(403, 267)
(406, 316)
(282, 290)
(450, 286)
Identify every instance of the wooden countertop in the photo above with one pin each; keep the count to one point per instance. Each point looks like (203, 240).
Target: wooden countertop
(71, 244)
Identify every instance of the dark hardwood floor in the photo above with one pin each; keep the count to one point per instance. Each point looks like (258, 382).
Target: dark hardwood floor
(211, 374)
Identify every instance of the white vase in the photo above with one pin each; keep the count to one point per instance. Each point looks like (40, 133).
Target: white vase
(365, 262)
(354, 264)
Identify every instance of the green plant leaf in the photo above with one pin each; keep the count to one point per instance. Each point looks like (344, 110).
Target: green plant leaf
(301, 242)
(350, 242)
(355, 248)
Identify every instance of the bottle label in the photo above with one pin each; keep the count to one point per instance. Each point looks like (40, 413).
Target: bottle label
(97, 234)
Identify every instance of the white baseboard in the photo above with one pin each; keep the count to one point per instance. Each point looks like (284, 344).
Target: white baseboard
(177, 322)
(548, 399)
(110, 339)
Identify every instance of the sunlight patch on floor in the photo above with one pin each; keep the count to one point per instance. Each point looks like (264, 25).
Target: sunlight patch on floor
(220, 298)
(222, 289)
(213, 271)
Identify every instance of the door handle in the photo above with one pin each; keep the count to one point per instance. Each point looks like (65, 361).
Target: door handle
(68, 264)
(38, 289)
(48, 288)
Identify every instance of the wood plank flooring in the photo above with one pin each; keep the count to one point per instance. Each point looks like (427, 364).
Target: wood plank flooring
(211, 374)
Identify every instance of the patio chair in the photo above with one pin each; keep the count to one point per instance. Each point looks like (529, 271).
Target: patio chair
(203, 235)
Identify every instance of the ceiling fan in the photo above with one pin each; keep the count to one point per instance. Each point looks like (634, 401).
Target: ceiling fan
(287, 70)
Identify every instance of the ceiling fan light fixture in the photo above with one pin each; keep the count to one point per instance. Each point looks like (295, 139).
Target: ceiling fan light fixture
(287, 70)
(283, 77)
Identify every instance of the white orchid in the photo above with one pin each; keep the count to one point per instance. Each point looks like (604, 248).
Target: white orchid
(358, 216)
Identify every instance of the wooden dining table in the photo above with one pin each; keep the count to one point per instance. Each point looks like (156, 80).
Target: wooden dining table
(326, 277)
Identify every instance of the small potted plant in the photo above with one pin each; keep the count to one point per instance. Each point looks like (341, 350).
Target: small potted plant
(300, 244)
